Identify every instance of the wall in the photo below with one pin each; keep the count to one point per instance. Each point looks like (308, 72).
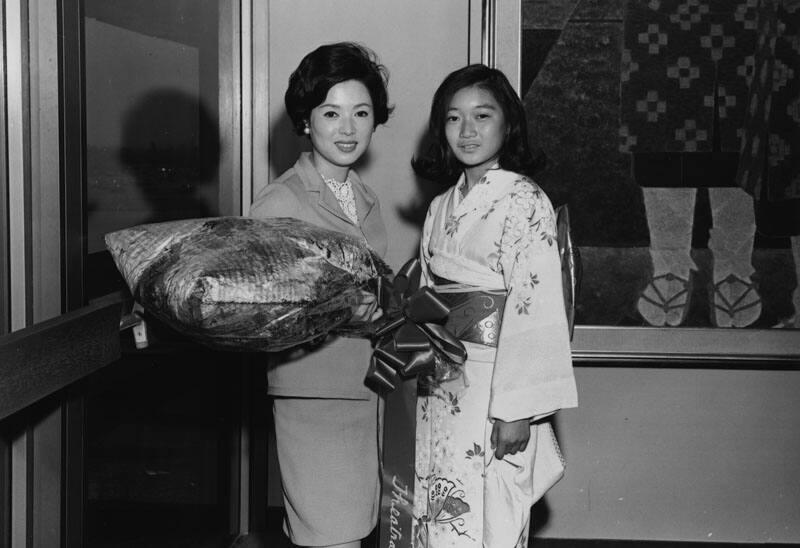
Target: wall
(680, 454)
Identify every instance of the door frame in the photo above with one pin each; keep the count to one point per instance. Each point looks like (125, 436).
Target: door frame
(5, 292)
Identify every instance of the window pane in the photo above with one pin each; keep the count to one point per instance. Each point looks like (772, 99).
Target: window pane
(152, 72)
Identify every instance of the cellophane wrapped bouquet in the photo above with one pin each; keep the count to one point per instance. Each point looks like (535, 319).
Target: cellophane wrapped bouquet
(245, 284)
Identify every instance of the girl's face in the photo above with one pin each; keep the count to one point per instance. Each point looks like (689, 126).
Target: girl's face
(475, 128)
(341, 128)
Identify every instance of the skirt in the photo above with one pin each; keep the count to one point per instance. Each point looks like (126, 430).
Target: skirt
(328, 455)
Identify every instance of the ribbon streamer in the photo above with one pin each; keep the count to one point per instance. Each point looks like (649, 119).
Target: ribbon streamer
(412, 341)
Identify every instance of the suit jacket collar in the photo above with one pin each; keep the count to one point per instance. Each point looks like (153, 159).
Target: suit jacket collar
(365, 198)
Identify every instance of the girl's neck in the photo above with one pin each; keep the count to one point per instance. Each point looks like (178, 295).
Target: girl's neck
(473, 174)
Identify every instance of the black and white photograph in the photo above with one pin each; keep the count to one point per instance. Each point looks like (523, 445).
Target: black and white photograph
(399, 273)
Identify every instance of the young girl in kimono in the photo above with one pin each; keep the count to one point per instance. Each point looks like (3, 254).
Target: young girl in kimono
(485, 451)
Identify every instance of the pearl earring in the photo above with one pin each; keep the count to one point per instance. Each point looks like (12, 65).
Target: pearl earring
(306, 130)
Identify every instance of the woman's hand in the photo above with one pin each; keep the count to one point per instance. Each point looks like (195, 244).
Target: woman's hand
(366, 308)
(509, 437)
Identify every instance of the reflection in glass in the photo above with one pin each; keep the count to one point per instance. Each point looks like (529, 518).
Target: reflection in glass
(152, 119)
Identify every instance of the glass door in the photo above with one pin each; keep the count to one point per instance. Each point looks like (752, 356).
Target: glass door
(150, 125)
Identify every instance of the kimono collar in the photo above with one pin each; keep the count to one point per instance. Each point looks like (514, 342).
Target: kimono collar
(461, 185)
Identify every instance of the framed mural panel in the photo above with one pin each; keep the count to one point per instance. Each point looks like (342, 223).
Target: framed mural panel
(671, 129)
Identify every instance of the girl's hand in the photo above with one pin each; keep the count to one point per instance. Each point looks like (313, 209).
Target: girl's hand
(509, 437)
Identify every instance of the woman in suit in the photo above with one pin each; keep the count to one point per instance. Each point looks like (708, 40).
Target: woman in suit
(326, 419)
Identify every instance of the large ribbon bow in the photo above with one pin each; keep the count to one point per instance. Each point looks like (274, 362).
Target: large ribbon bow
(412, 339)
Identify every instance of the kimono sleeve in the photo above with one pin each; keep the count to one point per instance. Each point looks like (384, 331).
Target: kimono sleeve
(533, 373)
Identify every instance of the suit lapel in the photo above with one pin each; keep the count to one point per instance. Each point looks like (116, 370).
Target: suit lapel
(314, 184)
(328, 202)
(322, 198)
(364, 201)
(369, 216)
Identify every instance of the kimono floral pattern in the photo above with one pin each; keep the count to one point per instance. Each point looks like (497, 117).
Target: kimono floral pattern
(501, 235)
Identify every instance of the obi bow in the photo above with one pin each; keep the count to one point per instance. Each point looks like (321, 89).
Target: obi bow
(412, 339)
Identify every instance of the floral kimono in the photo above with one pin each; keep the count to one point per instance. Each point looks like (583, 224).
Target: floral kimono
(494, 252)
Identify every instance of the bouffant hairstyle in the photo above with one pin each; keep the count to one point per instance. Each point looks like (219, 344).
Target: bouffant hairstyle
(333, 64)
(438, 163)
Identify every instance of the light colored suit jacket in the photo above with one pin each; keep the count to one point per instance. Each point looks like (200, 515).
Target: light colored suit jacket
(337, 368)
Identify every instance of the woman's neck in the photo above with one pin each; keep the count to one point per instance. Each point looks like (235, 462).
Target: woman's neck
(330, 171)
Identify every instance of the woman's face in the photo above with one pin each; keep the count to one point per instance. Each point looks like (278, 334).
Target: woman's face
(475, 128)
(341, 128)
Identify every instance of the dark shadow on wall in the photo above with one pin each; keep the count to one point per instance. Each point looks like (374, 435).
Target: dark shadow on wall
(415, 210)
(284, 144)
(171, 148)
(171, 145)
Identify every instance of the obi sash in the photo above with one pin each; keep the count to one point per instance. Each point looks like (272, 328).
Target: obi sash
(475, 313)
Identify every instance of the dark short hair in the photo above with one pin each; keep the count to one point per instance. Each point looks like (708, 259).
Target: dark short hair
(333, 64)
(439, 163)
